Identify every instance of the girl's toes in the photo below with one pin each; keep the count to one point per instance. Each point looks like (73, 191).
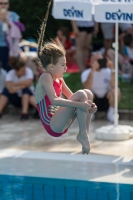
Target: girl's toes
(85, 151)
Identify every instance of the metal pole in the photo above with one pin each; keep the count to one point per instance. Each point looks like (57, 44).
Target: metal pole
(116, 75)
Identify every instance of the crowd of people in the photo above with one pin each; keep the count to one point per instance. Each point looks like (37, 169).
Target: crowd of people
(17, 77)
(98, 67)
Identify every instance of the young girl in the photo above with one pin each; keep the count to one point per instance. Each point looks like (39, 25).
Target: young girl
(57, 113)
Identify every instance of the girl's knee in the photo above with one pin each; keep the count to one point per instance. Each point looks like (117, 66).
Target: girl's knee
(89, 94)
(82, 94)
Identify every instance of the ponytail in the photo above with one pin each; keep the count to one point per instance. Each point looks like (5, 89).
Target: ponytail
(42, 30)
(48, 52)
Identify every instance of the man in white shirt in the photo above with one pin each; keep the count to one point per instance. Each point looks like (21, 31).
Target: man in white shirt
(19, 88)
(28, 75)
(101, 82)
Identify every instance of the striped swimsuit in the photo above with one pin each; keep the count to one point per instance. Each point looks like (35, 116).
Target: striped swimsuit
(46, 110)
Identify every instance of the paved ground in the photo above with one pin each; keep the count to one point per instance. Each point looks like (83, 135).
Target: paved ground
(31, 136)
(26, 150)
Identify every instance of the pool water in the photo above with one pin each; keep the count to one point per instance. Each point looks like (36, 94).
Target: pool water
(35, 188)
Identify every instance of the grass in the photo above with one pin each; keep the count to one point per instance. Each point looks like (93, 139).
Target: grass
(74, 83)
(127, 95)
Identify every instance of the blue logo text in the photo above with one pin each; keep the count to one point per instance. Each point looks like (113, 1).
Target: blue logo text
(119, 16)
(126, 1)
(73, 13)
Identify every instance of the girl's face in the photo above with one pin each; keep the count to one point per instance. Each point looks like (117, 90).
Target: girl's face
(60, 68)
(21, 72)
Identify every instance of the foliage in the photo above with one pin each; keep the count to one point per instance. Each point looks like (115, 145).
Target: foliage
(31, 13)
(127, 95)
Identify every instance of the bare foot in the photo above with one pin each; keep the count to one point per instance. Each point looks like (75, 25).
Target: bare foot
(85, 143)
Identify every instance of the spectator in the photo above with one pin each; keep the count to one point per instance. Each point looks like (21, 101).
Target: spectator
(18, 87)
(126, 60)
(101, 82)
(63, 35)
(83, 31)
(128, 48)
(2, 78)
(111, 56)
(10, 34)
(108, 33)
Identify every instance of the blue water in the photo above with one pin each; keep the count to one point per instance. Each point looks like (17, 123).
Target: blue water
(33, 188)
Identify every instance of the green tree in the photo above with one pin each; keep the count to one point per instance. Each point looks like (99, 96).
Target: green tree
(31, 13)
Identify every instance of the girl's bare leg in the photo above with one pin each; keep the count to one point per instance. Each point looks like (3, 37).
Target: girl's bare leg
(82, 137)
(90, 97)
(88, 119)
(63, 117)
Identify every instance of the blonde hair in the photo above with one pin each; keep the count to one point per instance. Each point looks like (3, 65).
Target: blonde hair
(48, 52)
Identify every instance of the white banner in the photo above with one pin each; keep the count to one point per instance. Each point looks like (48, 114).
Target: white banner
(114, 11)
(72, 10)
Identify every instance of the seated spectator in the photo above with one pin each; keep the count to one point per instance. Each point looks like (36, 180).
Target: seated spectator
(109, 33)
(126, 60)
(99, 78)
(128, 47)
(2, 78)
(10, 33)
(63, 35)
(18, 87)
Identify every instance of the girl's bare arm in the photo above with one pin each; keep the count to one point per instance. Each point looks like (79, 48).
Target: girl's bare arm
(47, 83)
(66, 90)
